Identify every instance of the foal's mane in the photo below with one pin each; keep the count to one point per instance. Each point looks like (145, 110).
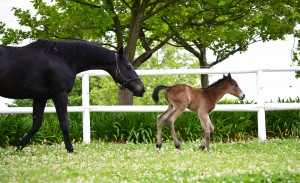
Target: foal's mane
(216, 83)
(70, 49)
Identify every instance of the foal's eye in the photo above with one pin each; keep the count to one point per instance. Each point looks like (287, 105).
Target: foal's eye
(235, 86)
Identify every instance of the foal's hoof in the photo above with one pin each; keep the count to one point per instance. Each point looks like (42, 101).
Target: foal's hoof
(158, 147)
(202, 147)
(177, 146)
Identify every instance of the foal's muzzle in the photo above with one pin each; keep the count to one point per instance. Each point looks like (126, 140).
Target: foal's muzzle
(242, 96)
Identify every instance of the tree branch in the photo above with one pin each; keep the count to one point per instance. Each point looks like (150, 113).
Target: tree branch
(158, 9)
(240, 48)
(179, 39)
(117, 23)
(86, 4)
(146, 55)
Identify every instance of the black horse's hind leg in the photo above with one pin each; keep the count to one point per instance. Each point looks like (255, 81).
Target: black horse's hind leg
(61, 102)
(37, 115)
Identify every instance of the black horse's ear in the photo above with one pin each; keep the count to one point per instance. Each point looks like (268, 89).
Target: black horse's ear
(121, 51)
(224, 76)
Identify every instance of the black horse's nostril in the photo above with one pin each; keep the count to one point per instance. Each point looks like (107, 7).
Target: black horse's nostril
(139, 93)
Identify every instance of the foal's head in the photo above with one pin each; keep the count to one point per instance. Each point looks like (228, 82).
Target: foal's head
(233, 88)
(126, 76)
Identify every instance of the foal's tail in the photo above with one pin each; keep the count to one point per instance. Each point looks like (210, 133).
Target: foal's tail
(156, 91)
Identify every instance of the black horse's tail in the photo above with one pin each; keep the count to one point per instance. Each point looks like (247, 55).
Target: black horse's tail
(156, 91)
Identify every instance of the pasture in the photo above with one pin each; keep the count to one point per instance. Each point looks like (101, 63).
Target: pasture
(245, 161)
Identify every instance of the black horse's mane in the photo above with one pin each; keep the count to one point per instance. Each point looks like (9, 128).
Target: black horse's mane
(70, 49)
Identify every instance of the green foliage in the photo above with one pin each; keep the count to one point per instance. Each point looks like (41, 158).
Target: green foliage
(13, 128)
(283, 124)
(226, 26)
(141, 127)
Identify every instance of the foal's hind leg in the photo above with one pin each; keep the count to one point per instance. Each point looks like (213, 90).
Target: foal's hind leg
(37, 115)
(160, 119)
(208, 129)
(171, 120)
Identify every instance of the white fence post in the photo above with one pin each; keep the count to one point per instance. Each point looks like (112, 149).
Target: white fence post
(261, 120)
(86, 108)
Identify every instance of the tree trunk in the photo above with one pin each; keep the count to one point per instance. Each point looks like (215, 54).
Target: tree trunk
(125, 97)
(203, 64)
(138, 8)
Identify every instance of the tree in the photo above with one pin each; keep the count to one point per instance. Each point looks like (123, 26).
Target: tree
(109, 23)
(230, 26)
(144, 26)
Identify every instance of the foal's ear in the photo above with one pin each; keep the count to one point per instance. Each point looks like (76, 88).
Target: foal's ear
(121, 52)
(229, 76)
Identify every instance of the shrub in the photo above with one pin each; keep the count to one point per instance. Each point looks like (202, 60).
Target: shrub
(141, 127)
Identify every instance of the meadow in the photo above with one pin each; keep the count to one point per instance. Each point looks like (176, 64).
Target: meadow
(245, 161)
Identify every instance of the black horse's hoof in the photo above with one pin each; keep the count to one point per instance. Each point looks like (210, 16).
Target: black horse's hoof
(178, 147)
(71, 151)
(19, 148)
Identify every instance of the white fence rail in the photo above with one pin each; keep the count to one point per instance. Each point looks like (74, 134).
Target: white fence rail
(86, 108)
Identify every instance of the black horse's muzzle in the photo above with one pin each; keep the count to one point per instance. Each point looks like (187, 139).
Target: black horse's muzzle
(135, 85)
(139, 93)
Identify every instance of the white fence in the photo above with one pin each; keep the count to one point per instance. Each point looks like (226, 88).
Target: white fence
(86, 108)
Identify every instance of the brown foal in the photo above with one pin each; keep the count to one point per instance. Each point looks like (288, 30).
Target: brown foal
(199, 100)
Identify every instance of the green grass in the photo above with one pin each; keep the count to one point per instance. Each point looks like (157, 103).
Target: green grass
(251, 161)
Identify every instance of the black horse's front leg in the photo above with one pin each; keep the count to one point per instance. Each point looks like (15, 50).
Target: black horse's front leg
(61, 102)
(37, 117)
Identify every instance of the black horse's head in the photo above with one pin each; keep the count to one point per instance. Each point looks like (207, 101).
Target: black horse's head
(125, 75)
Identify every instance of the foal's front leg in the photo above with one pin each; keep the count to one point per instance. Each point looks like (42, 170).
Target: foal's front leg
(61, 102)
(37, 117)
(208, 129)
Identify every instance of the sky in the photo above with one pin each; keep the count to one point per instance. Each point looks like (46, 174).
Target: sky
(269, 54)
(266, 55)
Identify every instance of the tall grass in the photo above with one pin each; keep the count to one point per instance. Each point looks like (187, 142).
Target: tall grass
(141, 127)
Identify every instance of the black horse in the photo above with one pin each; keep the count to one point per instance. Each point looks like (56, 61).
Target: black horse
(47, 69)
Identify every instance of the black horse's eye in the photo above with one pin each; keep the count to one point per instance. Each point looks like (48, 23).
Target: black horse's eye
(129, 67)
